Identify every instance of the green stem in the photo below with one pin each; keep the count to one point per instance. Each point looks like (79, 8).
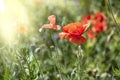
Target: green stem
(110, 9)
(80, 63)
(55, 46)
(35, 59)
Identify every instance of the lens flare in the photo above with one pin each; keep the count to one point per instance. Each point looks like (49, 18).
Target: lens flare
(11, 13)
(2, 6)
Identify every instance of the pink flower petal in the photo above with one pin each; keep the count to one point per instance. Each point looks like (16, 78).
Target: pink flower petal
(52, 19)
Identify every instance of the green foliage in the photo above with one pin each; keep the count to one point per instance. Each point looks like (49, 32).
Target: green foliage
(116, 72)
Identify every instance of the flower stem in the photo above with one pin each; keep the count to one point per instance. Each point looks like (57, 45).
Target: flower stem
(80, 63)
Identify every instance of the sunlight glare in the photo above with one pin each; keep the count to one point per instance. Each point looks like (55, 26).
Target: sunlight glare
(2, 6)
(11, 13)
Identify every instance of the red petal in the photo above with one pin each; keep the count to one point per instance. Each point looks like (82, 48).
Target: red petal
(99, 17)
(99, 26)
(76, 39)
(75, 28)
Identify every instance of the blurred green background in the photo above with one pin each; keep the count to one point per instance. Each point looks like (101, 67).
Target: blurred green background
(42, 55)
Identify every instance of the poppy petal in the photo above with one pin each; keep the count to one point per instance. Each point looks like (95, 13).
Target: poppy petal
(99, 17)
(76, 28)
(51, 26)
(76, 39)
(99, 26)
(47, 26)
(58, 27)
(52, 19)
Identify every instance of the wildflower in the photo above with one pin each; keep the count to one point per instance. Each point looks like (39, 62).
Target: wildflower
(52, 24)
(73, 32)
(21, 28)
(99, 17)
(99, 27)
(100, 23)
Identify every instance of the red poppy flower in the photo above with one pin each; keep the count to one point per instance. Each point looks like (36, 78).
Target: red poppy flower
(99, 26)
(52, 24)
(73, 32)
(99, 17)
(91, 35)
(76, 28)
